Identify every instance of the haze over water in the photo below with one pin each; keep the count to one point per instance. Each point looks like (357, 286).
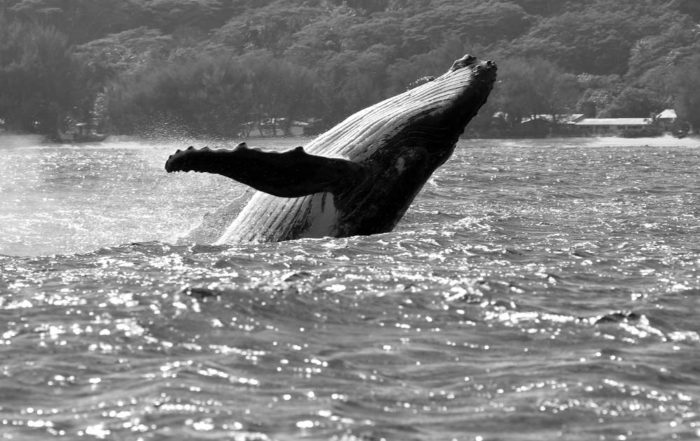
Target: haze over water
(535, 290)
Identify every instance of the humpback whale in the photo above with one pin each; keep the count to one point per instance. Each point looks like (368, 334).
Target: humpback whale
(359, 177)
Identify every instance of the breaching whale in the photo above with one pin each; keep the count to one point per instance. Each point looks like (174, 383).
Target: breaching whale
(359, 177)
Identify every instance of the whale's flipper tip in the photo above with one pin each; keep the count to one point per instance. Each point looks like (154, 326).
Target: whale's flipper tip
(181, 160)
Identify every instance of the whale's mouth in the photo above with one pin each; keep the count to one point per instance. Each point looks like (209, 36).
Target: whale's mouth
(465, 86)
(429, 119)
(453, 99)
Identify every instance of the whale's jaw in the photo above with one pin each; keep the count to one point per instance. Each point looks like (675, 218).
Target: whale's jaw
(359, 177)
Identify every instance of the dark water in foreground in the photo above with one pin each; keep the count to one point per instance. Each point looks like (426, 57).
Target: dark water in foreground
(535, 290)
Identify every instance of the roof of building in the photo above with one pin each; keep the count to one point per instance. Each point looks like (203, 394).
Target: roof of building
(563, 118)
(613, 122)
(667, 114)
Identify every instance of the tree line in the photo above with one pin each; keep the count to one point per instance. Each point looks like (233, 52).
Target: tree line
(206, 67)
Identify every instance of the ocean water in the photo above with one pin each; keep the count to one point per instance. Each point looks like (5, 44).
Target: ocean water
(536, 290)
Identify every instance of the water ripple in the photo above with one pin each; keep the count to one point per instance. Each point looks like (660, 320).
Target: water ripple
(533, 291)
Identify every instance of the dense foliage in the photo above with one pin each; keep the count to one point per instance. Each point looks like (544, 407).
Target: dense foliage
(208, 66)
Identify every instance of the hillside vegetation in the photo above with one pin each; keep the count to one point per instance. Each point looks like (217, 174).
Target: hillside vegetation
(204, 67)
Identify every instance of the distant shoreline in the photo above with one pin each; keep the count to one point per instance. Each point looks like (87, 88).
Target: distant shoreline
(13, 140)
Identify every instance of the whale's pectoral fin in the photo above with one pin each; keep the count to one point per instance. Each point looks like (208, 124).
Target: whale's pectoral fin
(293, 173)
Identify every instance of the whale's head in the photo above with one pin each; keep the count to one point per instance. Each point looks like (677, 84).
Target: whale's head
(401, 141)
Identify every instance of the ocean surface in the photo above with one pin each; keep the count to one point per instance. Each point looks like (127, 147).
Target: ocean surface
(536, 290)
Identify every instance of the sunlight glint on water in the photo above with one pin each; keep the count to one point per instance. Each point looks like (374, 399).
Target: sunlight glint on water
(535, 290)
